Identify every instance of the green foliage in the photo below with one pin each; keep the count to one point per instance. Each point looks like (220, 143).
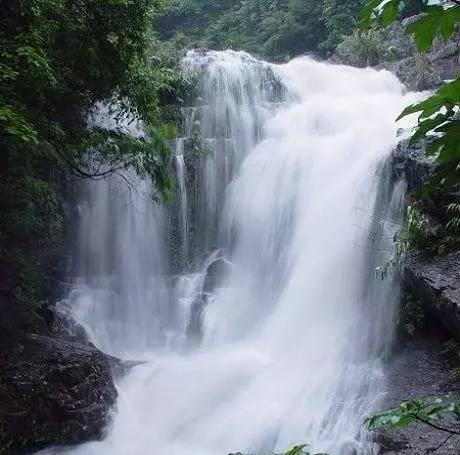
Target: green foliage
(425, 412)
(413, 232)
(363, 48)
(31, 233)
(296, 450)
(452, 227)
(436, 21)
(412, 316)
(437, 115)
(58, 60)
(339, 18)
(275, 29)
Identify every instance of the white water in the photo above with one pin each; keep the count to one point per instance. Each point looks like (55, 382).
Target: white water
(289, 188)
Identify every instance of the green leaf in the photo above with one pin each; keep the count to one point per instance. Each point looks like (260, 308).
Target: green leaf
(437, 20)
(389, 13)
(296, 450)
(369, 13)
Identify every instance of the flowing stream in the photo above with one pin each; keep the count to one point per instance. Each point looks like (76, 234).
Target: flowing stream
(252, 297)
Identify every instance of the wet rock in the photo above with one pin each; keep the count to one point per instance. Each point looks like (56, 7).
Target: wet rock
(411, 163)
(52, 392)
(418, 370)
(417, 73)
(65, 326)
(194, 328)
(435, 280)
(215, 273)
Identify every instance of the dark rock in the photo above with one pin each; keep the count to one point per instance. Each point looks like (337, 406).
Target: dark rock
(194, 328)
(411, 163)
(419, 370)
(417, 72)
(17, 317)
(215, 273)
(444, 57)
(65, 326)
(52, 392)
(401, 45)
(214, 276)
(435, 280)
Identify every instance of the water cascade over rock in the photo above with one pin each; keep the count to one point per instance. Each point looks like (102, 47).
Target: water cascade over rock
(262, 324)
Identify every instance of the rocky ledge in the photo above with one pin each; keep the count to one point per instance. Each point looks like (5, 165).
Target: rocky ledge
(52, 392)
(435, 281)
(410, 163)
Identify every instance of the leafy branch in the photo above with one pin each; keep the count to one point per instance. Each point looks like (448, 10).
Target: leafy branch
(425, 412)
(296, 450)
(437, 115)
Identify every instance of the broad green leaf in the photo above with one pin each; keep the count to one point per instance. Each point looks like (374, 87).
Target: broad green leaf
(369, 13)
(437, 20)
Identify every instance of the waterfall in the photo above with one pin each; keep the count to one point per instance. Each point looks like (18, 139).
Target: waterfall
(272, 329)
(181, 178)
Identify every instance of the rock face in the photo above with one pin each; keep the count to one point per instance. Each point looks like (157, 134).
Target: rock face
(436, 282)
(419, 71)
(411, 163)
(433, 279)
(418, 370)
(52, 392)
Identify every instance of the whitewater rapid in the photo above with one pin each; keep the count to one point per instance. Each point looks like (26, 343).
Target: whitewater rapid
(289, 183)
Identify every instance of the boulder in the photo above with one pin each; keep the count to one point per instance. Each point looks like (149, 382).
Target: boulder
(215, 273)
(52, 392)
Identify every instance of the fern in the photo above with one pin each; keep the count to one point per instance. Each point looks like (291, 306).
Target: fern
(413, 232)
(453, 225)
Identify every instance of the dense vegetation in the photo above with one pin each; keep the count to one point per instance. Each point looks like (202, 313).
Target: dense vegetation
(438, 114)
(58, 60)
(274, 29)
(438, 125)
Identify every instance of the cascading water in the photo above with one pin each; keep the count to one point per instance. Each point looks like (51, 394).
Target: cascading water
(270, 331)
